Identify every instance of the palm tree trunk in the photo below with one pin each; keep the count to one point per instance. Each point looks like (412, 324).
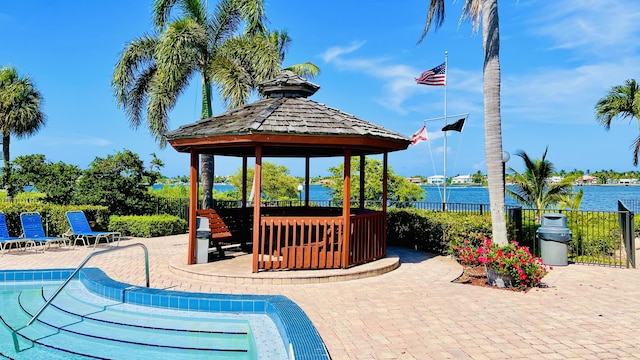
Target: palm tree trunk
(5, 150)
(492, 120)
(6, 171)
(206, 171)
(206, 175)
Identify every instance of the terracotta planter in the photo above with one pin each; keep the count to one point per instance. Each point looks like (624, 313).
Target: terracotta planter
(500, 280)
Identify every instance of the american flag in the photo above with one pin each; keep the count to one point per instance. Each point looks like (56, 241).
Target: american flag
(434, 77)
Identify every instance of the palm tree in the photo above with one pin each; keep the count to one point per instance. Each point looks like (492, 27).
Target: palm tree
(532, 187)
(282, 42)
(488, 10)
(572, 201)
(20, 114)
(155, 69)
(622, 101)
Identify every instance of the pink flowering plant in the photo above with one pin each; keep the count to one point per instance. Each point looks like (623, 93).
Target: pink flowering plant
(513, 260)
(516, 261)
(469, 252)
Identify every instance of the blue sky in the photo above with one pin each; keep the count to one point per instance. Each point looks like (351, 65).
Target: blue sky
(557, 57)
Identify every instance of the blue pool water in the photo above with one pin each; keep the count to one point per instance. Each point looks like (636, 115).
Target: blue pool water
(97, 317)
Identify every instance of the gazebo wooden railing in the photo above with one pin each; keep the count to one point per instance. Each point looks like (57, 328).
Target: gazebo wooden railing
(312, 238)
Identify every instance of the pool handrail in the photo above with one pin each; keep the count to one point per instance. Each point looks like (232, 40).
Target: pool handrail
(73, 274)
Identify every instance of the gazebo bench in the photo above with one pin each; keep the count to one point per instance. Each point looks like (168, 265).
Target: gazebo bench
(219, 231)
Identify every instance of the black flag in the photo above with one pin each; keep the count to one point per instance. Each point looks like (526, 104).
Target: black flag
(456, 126)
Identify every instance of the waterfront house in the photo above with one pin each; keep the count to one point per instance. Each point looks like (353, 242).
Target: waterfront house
(586, 180)
(414, 180)
(435, 180)
(462, 179)
(628, 182)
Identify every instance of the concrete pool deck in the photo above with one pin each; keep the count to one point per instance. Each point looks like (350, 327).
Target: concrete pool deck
(411, 312)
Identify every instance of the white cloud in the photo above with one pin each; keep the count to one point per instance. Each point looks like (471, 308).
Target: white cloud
(72, 139)
(333, 52)
(593, 26)
(563, 94)
(399, 84)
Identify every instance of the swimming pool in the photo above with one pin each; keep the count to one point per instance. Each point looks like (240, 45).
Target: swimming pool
(97, 317)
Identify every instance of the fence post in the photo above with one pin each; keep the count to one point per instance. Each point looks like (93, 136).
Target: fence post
(515, 218)
(625, 219)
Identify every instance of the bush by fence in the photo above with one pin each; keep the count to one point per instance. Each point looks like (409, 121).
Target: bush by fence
(433, 231)
(147, 225)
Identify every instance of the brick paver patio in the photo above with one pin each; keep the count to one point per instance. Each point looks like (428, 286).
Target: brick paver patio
(415, 311)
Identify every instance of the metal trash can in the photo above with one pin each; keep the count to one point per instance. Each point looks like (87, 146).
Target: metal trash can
(203, 234)
(554, 238)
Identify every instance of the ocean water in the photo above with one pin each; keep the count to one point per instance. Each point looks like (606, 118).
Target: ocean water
(595, 198)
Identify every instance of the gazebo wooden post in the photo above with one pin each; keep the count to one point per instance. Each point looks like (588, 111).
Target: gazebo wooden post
(213, 185)
(362, 180)
(244, 182)
(346, 207)
(385, 180)
(193, 206)
(257, 179)
(306, 181)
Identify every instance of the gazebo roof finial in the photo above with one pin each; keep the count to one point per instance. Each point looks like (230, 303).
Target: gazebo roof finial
(287, 84)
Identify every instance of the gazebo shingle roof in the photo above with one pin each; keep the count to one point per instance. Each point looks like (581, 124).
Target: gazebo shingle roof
(286, 118)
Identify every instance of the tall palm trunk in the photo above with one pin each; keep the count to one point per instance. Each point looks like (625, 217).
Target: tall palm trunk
(5, 149)
(6, 171)
(206, 173)
(492, 120)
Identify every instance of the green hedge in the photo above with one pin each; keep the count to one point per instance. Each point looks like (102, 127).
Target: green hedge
(433, 231)
(54, 219)
(147, 225)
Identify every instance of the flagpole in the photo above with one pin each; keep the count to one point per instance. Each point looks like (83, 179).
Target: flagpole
(446, 69)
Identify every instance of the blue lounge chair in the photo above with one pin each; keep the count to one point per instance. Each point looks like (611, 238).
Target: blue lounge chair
(5, 240)
(81, 230)
(33, 230)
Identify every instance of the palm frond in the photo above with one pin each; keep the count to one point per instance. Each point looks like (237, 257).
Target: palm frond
(254, 16)
(472, 10)
(436, 12)
(307, 70)
(232, 80)
(162, 12)
(138, 96)
(223, 23)
(281, 40)
(621, 101)
(136, 58)
(241, 64)
(179, 53)
(195, 9)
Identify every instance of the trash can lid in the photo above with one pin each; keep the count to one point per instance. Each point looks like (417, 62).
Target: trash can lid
(553, 219)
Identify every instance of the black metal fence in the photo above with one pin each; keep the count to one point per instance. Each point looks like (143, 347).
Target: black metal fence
(598, 237)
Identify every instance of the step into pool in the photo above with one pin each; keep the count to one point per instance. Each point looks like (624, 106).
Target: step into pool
(95, 317)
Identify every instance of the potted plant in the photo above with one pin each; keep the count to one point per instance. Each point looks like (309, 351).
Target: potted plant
(512, 265)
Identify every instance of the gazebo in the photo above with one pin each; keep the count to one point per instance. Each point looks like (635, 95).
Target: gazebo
(286, 123)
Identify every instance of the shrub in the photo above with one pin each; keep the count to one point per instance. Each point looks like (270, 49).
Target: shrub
(54, 219)
(434, 231)
(413, 229)
(147, 225)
